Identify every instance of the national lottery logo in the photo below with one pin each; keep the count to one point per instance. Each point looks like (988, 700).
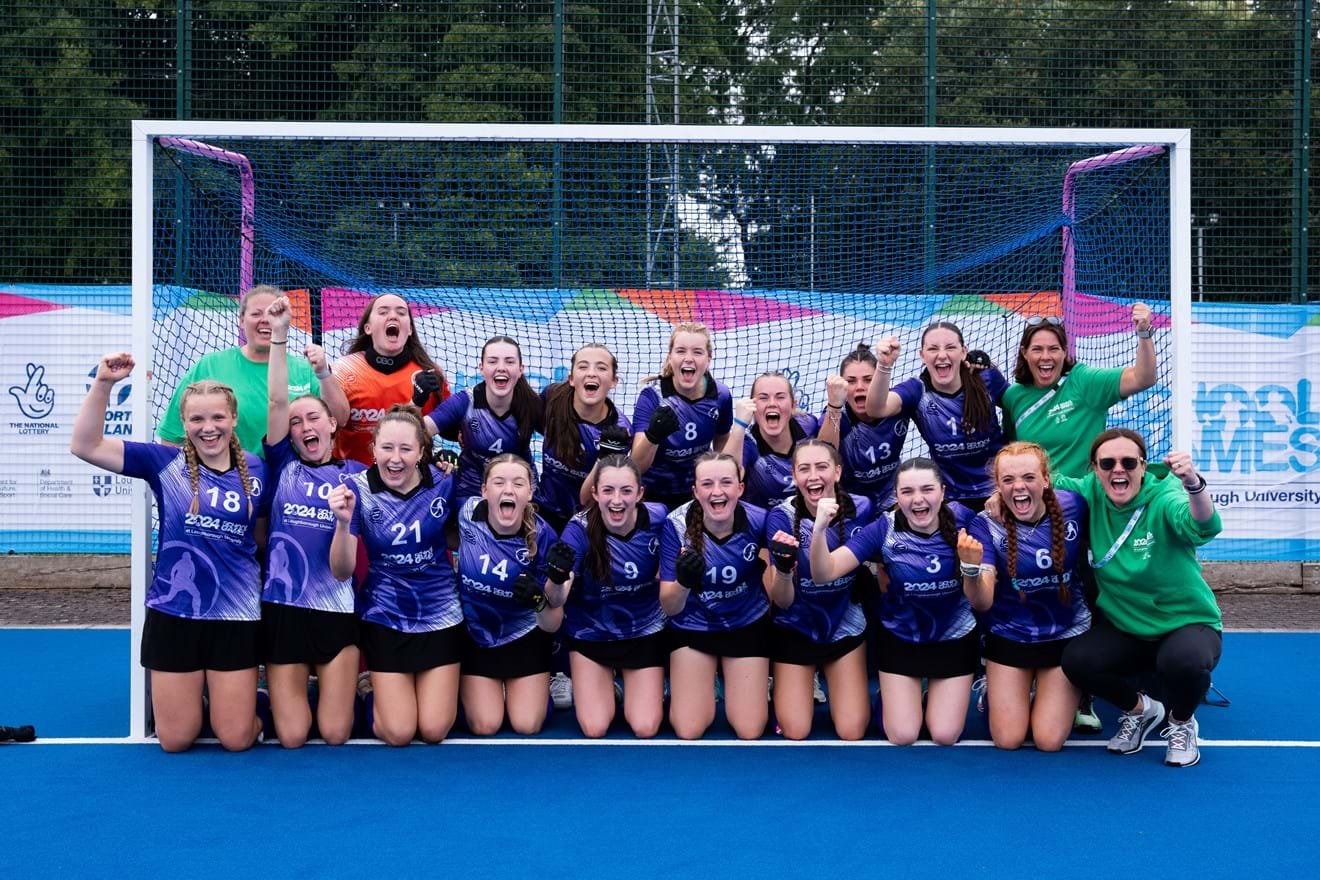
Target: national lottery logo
(34, 397)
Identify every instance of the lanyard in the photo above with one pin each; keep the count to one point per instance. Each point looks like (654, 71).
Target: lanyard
(1044, 399)
(1132, 524)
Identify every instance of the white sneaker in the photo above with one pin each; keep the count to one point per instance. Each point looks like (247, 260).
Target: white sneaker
(1133, 729)
(561, 690)
(817, 692)
(1181, 737)
(364, 684)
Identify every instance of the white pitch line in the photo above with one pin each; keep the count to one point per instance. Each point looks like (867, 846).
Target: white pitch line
(676, 743)
(68, 626)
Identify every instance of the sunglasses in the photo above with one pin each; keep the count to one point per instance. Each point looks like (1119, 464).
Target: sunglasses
(1128, 462)
(1044, 319)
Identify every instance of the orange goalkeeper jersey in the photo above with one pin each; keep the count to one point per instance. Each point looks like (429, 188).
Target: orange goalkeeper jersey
(370, 395)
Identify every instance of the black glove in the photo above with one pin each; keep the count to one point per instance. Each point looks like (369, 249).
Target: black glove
(978, 359)
(690, 568)
(614, 440)
(528, 593)
(25, 734)
(559, 561)
(425, 383)
(664, 421)
(784, 555)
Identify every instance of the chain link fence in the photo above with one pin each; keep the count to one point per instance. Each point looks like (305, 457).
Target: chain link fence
(1239, 73)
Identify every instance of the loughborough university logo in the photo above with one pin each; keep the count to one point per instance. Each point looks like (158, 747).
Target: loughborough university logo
(103, 485)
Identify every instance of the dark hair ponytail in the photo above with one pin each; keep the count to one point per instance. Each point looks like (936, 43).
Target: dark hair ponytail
(562, 438)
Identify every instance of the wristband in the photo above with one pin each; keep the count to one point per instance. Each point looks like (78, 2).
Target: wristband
(325, 375)
(1198, 488)
(740, 423)
(1145, 334)
(881, 368)
(279, 342)
(832, 406)
(970, 571)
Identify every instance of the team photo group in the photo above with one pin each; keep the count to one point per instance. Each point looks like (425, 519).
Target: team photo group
(675, 551)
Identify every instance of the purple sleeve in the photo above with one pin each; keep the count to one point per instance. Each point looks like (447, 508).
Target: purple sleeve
(545, 536)
(995, 383)
(778, 521)
(670, 545)
(146, 460)
(980, 530)
(750, 452)
(811, 425)
(756, 521)
(448, 416)
(866, 544)
(356, 525)
(646, 403)
(724, 400)
(866, 511)
(910, 391)
(576, 537)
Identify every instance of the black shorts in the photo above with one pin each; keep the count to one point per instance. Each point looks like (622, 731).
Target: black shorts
(643, 652)
(792, 647)
(181, 644)
(1025, 655)
(290, 634)
(752, 640)
(388, 650)
(526, 655)
(948, 659)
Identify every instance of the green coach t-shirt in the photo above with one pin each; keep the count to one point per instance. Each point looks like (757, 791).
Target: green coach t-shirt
(1066, 424)
(248, 379)
(1149, 579)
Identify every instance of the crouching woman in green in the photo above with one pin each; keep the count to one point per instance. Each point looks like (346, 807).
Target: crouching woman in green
(1156, 612)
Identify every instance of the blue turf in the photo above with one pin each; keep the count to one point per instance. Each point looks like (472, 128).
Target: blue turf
(637, 812)
(74, 683)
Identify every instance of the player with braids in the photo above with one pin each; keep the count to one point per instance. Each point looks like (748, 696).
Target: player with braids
(766, 426)
(1031, 596)
(683, 415)
(514, 577)
(496, 416)
(927, 628)
(412, 625)
(952, 404)
(582, 425)
(713, 585)
(817, 622)
(204, 600)
(871, 449)
(613, 620)
(1062, 404)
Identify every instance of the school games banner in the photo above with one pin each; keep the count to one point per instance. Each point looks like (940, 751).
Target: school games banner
(1257, 432)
